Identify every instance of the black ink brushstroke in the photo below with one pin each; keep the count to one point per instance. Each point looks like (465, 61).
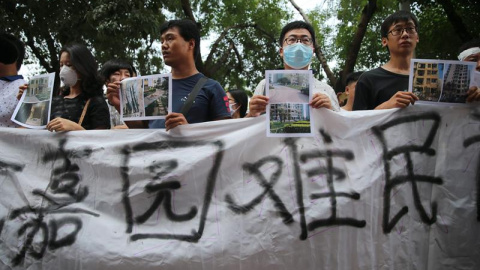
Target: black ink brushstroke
(55, 225)
(291, 144)
(209, 189)
(254, 169)
(332, 174)
(406, 151)
(468, 142)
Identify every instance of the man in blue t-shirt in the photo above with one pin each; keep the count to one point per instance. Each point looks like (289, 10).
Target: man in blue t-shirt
(180, 47)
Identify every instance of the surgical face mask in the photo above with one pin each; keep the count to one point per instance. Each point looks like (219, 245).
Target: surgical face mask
(232, 111)
(68, 76)
(297, 55)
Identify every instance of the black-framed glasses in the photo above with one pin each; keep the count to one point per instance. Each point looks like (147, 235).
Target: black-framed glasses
(399, 31)
(293, 39)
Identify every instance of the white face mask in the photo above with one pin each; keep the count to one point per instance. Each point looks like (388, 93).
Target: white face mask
(232, 111)
(68, 76)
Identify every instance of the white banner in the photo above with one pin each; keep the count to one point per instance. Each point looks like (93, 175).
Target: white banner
(394, 189)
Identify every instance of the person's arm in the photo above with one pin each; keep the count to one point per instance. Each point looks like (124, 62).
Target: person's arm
(324, 97)
(473, 94)
(21, 89)
(257, 105)
(401, 99)
(61, 124)
(320, 100)
(218, 105)
(113, 95)
(174, 119)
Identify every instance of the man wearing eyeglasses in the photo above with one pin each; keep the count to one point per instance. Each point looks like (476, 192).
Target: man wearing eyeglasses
(386, 87)
(297, 44)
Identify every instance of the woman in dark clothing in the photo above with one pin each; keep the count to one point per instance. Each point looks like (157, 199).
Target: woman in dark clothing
(82, 93)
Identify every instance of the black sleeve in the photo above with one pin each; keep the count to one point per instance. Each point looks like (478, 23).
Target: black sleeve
(363, 96)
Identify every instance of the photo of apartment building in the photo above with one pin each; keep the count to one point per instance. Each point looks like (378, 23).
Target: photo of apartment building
(456, 83)
(427, 80)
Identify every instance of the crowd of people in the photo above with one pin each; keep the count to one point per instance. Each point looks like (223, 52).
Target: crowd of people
(81, 104)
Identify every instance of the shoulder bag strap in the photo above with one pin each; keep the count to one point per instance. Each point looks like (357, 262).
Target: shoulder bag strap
(188, 104)
(84, 112)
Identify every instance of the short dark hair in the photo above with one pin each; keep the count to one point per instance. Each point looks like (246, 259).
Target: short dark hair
(297, 25)
(11, 50)
(241, 98)
(399, 16)
(188, 29)
(86, 65)
(114, 65)
(353, 77)
(469, 44)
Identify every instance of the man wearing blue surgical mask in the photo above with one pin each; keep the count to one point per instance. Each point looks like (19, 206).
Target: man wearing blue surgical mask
(297, 45)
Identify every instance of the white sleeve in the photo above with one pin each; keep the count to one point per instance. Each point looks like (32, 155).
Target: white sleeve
(320, 87)
(260, 89)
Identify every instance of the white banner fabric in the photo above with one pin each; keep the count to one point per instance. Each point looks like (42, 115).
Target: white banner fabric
(393, 189)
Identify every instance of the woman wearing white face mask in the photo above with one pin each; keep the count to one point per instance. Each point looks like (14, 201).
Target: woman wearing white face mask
(238, 102)
(80, 105)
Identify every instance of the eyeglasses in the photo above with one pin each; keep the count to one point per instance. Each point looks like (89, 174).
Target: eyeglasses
(399, 31)
(293, 39)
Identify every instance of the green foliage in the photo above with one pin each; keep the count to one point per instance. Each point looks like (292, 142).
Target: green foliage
(438, 38)
(250, 42)
(371, 53)
(283, 81)
(245, 33)
(297, 127)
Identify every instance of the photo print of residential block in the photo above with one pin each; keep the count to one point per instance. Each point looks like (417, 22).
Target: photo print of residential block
(288, 113)
(146, 97)
(33, 109)
(440, 80)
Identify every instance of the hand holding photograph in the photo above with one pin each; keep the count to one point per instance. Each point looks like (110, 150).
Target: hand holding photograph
(33, 109)
(146, 97)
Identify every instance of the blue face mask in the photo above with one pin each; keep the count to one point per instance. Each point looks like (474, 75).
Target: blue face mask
(297, 55)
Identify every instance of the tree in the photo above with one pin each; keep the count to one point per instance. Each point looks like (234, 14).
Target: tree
(445, 25)
(245, 33)
(245, 47)
(355, 41)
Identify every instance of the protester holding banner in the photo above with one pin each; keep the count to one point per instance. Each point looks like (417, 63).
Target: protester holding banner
(386, 87)
(180, 47)
(297, 38)
(80, 105)
(113, 72)
(12, 52)
(238, 102)
(470, 52)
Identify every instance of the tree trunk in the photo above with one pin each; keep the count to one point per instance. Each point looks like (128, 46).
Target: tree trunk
(455, 20)
(354, 48)
(404, 5)
(187, 10)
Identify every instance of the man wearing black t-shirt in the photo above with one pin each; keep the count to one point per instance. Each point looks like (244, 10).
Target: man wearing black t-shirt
(180, 47)
(386, 87)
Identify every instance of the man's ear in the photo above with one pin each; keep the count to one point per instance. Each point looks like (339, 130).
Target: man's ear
(191, 44)
(384, 41)
(280, 51)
